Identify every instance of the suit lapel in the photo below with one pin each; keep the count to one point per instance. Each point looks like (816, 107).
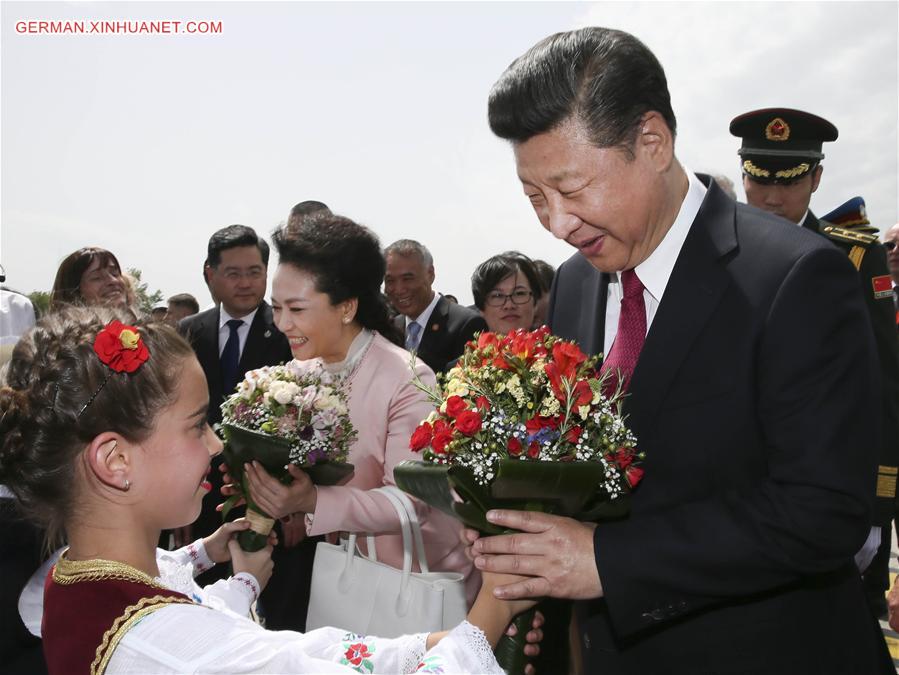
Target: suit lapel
(258, 338)
(207, 347)
(694, 290)
(592, 324)
(431, 336)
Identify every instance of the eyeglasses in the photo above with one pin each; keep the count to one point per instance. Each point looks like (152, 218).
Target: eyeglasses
(497, 299)
(889, 245)
(253, 274)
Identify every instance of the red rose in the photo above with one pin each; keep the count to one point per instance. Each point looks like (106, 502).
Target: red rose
(634, 475)
(440, 441)
(483, 403)
(623, 458)
(468, 422)
(514, 446)
(455, 405)
(533, 450)
(539, 422)
(421, 437)
(120, 347)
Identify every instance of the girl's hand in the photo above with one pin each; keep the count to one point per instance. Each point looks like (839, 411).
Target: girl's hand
(492, 580)
(275, 498)
(493, 615)
(216, 544)
(258, 563)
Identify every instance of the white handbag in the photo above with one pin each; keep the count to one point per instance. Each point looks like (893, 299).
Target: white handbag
(357, 593)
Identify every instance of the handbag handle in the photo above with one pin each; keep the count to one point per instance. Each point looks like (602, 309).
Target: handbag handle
(411, 531)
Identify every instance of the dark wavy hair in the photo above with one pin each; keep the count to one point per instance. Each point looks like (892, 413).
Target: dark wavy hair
(606, 79)
(66, 286)
(493, 270)
(53, 373)
(346, 261)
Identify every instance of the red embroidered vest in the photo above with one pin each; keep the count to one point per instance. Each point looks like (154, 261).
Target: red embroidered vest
(89, 606)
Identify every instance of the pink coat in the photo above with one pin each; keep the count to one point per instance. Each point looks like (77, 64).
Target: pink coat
(385, 408)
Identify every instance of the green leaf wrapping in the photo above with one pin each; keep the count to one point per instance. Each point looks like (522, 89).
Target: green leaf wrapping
(243, 446)
(571, 489)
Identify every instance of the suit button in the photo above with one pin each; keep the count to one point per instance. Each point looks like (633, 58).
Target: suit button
(586, 641)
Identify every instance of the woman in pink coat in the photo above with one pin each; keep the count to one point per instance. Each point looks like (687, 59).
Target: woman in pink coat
(326, 299)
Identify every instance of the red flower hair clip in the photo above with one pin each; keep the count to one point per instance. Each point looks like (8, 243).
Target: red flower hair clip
(119, 347)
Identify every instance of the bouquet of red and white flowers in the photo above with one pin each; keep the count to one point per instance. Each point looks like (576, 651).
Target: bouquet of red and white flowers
(523, 422)
(528, 396)
(296, 413)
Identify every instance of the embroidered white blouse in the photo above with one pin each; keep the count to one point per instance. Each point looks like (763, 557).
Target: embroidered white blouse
(218, 637)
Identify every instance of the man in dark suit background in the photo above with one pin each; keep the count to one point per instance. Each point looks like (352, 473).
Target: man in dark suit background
(237, 336)
(781, 153)
(434, 328)
(748, 360)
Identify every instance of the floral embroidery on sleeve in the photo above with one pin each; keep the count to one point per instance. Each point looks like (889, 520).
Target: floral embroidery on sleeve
(358, 653)
(430, 664)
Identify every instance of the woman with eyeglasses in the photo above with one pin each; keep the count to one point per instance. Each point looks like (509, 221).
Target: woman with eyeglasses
(506, 289)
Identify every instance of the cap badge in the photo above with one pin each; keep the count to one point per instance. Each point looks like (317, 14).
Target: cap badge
(777, 130)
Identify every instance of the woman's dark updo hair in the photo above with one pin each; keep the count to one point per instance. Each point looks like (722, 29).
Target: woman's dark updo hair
(53, 373)
(66, 286)
(346, 261)
(489, 273)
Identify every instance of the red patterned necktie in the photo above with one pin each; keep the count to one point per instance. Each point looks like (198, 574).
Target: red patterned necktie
(625, 351)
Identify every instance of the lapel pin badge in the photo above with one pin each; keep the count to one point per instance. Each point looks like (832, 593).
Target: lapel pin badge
(267, 334)
(435, 327)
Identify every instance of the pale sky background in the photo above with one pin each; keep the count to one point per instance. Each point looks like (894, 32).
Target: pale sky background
(147, 144)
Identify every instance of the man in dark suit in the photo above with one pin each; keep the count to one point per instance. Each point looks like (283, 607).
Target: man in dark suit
(237, 336)
(781, 161)
(747, 356)
(434, 328)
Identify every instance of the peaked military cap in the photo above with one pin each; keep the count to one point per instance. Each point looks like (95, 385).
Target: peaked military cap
(781, 145)
(851, 215)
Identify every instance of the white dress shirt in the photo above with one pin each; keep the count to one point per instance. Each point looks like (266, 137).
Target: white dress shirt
(242, 331)
(655, 271)
(423, 318)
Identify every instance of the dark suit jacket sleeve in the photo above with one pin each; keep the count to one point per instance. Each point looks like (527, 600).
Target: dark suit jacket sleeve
(808, 509)
(883, 322)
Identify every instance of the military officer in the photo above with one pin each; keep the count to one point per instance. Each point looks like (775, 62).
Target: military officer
(781, 162)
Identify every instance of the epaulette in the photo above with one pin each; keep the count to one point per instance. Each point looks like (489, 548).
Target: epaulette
(848, 236)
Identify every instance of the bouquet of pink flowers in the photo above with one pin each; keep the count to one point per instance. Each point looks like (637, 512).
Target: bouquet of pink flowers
(296, 413)
(523, 422)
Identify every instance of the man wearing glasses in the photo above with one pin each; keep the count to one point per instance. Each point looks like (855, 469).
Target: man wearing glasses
(780, 159)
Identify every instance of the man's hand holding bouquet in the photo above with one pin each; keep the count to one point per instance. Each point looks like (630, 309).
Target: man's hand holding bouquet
(522, 423)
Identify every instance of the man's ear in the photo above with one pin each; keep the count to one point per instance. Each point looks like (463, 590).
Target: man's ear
(431, 275)
(108, 458)
(816, 177)
(656, 140)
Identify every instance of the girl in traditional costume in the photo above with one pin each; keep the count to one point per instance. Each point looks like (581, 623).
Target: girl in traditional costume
(103, 439)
